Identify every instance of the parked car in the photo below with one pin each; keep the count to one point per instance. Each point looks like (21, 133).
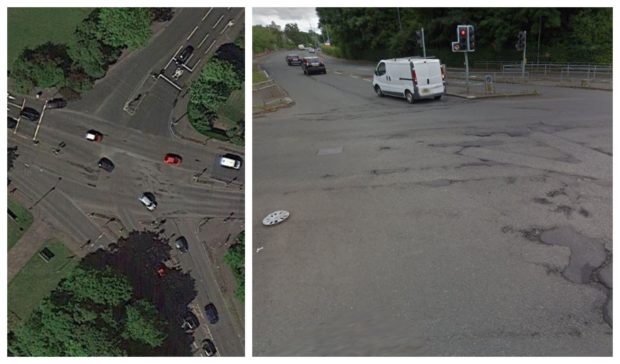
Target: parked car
(57, 103)
(106, 164)
(230, 161)
(209, 347)
(30, 113)
(311, 50)
(12, 123)
(211, 312)
(172, 159)
(293, 59)
(189, 321)
(184, 55)
(181, 244)
(94, 136)
(409, 78)
(312, 65)
(148, 200)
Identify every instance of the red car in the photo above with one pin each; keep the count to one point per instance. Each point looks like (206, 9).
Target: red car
(172, 159)
(162, 270)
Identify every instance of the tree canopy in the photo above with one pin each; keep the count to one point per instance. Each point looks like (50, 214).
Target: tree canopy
(566, 34)
(90, 313)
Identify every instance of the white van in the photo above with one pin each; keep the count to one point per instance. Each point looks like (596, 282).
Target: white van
(410, 78)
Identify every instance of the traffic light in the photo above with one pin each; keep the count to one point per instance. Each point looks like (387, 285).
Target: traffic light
(521, 39)
(418, 35)
(461, 31)
(471, 39)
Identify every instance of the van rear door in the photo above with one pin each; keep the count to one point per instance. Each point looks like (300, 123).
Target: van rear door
(428, 74)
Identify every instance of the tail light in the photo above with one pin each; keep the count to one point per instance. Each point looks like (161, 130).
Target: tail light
(414, 78)
(443, 74)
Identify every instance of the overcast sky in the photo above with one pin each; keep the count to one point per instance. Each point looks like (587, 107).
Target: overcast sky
(304, 17)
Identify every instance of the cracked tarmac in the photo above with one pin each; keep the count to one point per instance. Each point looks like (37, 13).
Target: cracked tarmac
(424, 235)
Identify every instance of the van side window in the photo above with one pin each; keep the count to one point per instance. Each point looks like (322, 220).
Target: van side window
(381, 69)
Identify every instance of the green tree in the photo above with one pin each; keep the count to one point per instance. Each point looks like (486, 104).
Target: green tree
(235, 258)
(84, 315)
(40, 67)
(124, 27)
(217, 80)
(143, 325)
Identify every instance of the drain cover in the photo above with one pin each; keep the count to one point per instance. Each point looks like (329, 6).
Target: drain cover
(275, 217)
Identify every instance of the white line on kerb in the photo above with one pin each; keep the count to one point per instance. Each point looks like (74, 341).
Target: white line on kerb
(208, 49)
(203, 40)
(192, 33)
(218, 21)
(207, 14)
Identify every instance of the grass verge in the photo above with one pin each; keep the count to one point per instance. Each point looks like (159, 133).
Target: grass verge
(17, 226)
(30, 27)
(36, 280)
(233, 110)
(258, 75)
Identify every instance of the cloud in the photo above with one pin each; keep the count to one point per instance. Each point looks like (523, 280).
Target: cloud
(304, 17)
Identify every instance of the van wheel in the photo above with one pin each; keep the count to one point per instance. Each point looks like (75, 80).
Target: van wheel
(378, 91)
(409, 96)
(438, 97)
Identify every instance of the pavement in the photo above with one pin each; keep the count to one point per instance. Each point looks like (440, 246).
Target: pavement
(57, 173)
(445, 228)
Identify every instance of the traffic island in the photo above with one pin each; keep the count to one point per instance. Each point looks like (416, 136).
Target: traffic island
(267, 96)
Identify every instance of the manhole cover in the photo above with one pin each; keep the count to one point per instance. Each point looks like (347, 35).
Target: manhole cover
(275, 217)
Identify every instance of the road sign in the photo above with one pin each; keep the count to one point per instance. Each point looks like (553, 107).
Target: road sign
(456, 47)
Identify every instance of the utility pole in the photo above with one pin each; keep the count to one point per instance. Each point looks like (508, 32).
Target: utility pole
(539, 32)
(524, 50)
(423, 45)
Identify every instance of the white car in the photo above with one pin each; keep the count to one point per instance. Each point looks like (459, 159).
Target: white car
(409, 78)
(228, 162)
(94, 136)
(148, 200)
(310, 50)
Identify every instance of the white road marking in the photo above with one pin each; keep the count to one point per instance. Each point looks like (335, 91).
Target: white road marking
(218, 21)
(39, 123)
(259, 249)
(203, 40)
(208, 49)
(192, 33)
(170, 82)
(175, 53)
(207, 14)
(19, 117)
(337, 73)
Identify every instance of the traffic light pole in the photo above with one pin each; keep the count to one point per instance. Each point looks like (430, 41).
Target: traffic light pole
(423, 45)
(466, 71)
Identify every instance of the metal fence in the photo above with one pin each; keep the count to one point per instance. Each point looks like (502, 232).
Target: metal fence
(579, 72)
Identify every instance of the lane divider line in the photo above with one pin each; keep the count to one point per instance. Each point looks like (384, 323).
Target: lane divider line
(203, 40)
(34, 138)
(207, 14)
(192, 33)
(218, 21)
(208, 49)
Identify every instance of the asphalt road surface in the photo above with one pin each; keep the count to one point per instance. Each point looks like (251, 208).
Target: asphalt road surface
(450, 227)
(59, 174)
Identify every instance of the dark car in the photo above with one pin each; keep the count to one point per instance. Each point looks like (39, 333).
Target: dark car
(185, 54)
(56, 104)
(106, 164)
(181, 244)
(30, 114)
(209, 347)
(211, 312)
(12, 123)
(189, 321)
(293, 59)
(312, 65)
